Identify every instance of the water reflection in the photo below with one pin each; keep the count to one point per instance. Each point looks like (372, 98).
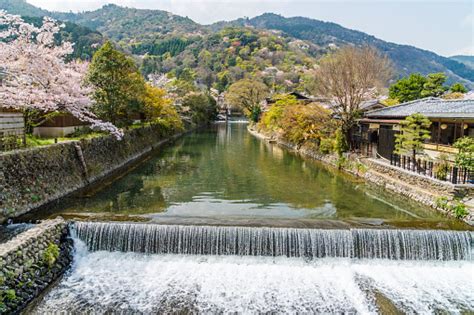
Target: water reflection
(225, 172)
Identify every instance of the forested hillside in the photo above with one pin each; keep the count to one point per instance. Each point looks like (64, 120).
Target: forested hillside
(165, 42)
(231, 54)
(467, 60)
(407, 59)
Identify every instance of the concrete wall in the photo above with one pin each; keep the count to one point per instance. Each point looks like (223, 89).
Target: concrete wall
(31, 261)
(33, 177)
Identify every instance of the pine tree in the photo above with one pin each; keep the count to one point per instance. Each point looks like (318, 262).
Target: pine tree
(414, 131)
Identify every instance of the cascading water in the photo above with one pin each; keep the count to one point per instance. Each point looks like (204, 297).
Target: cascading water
(210, 269)
(289, 242)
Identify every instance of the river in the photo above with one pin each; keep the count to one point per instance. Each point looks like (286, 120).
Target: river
(232, 224)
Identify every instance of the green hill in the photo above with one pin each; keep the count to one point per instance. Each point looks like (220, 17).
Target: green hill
(168, 39)
(223, 57)
(21, 7)
(407, 59)
(467, 60)
(127, 24)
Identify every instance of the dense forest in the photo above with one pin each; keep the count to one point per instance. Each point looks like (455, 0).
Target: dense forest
(162, 41)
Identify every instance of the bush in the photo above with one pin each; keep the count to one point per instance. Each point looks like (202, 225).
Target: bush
(341, 143)
(442, 203)
(326, 146)
(272, 118)
(51, 254)
(459, 209)
(310, 122)
(465, 155)
(441, 168)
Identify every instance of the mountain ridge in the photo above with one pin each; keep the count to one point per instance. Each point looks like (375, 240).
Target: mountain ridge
(325, 33)
(129, 26)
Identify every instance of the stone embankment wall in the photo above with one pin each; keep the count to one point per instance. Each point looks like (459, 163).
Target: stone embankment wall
(33, 177)
(420, 188)
(31, 261)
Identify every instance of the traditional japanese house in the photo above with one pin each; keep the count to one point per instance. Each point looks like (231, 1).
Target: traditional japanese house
(451, 119)
(58, 126)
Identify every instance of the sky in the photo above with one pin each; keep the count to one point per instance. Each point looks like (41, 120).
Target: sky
(445, 27)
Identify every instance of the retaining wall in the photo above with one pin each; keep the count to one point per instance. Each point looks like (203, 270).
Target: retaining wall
(32, 261)
(33, 177)
(420, 188)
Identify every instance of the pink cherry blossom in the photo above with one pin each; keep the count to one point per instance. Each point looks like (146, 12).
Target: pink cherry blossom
(36, 75)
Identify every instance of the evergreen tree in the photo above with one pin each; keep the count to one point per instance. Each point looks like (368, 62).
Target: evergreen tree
(434, 85)
(458, 88)
(408, 89)
(414, 131)
(118, 86)
(417, 86)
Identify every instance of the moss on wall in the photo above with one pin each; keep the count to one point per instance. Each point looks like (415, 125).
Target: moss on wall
(33, 177)
(31, 261)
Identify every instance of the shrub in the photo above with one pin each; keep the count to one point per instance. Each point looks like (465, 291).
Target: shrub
(442, 203)
(465, 155)
(341, 144)
(326, 146)
(51, 254)
(441, 168)
(310, 122)
(459, 209)
(9, 295)
(272, 118)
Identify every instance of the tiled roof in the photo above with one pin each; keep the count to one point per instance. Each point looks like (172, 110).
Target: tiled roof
(430, 107)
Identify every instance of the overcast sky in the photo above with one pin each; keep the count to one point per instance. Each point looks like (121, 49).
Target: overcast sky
(445, 27)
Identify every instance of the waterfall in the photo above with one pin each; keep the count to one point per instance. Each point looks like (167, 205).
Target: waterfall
(265, 241)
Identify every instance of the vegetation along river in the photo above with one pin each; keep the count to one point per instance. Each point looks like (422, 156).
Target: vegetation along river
(234, 224)
(225, 175)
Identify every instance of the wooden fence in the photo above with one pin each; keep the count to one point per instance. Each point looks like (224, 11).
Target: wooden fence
(12, 131)
(450, 173)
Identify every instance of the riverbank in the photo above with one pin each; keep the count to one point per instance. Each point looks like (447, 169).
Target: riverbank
(424, 190)
(31, 178)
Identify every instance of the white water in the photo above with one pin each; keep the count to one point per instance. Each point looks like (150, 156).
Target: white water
(265, 241)
(130, 282)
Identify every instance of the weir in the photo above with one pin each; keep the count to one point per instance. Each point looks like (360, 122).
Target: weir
(390, 244)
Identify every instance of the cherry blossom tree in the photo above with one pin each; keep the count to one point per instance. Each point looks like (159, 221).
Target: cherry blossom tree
(36, 76)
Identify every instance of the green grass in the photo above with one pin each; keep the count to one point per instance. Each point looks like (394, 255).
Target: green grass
(33, 141)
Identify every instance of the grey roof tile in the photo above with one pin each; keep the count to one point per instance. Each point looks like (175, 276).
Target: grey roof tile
(430, 107)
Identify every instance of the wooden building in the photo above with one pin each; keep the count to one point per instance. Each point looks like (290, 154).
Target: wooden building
(58, 126)
(12, 129)
(451, 119)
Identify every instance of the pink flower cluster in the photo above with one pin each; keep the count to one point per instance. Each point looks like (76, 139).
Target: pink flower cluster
(36, 75)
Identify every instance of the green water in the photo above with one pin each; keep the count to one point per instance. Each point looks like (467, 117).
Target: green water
(224, 172)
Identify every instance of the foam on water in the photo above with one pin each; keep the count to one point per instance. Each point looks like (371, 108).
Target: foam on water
(130, 282)
(266, 241)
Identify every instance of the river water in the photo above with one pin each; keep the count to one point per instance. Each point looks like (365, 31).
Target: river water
(224, 173)
(231, 224)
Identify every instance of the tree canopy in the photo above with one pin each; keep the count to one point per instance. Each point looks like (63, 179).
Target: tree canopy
(458, 88)
(118, 86)
(417, 86)
(38, 78)
(350, 76)
(248, 95)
